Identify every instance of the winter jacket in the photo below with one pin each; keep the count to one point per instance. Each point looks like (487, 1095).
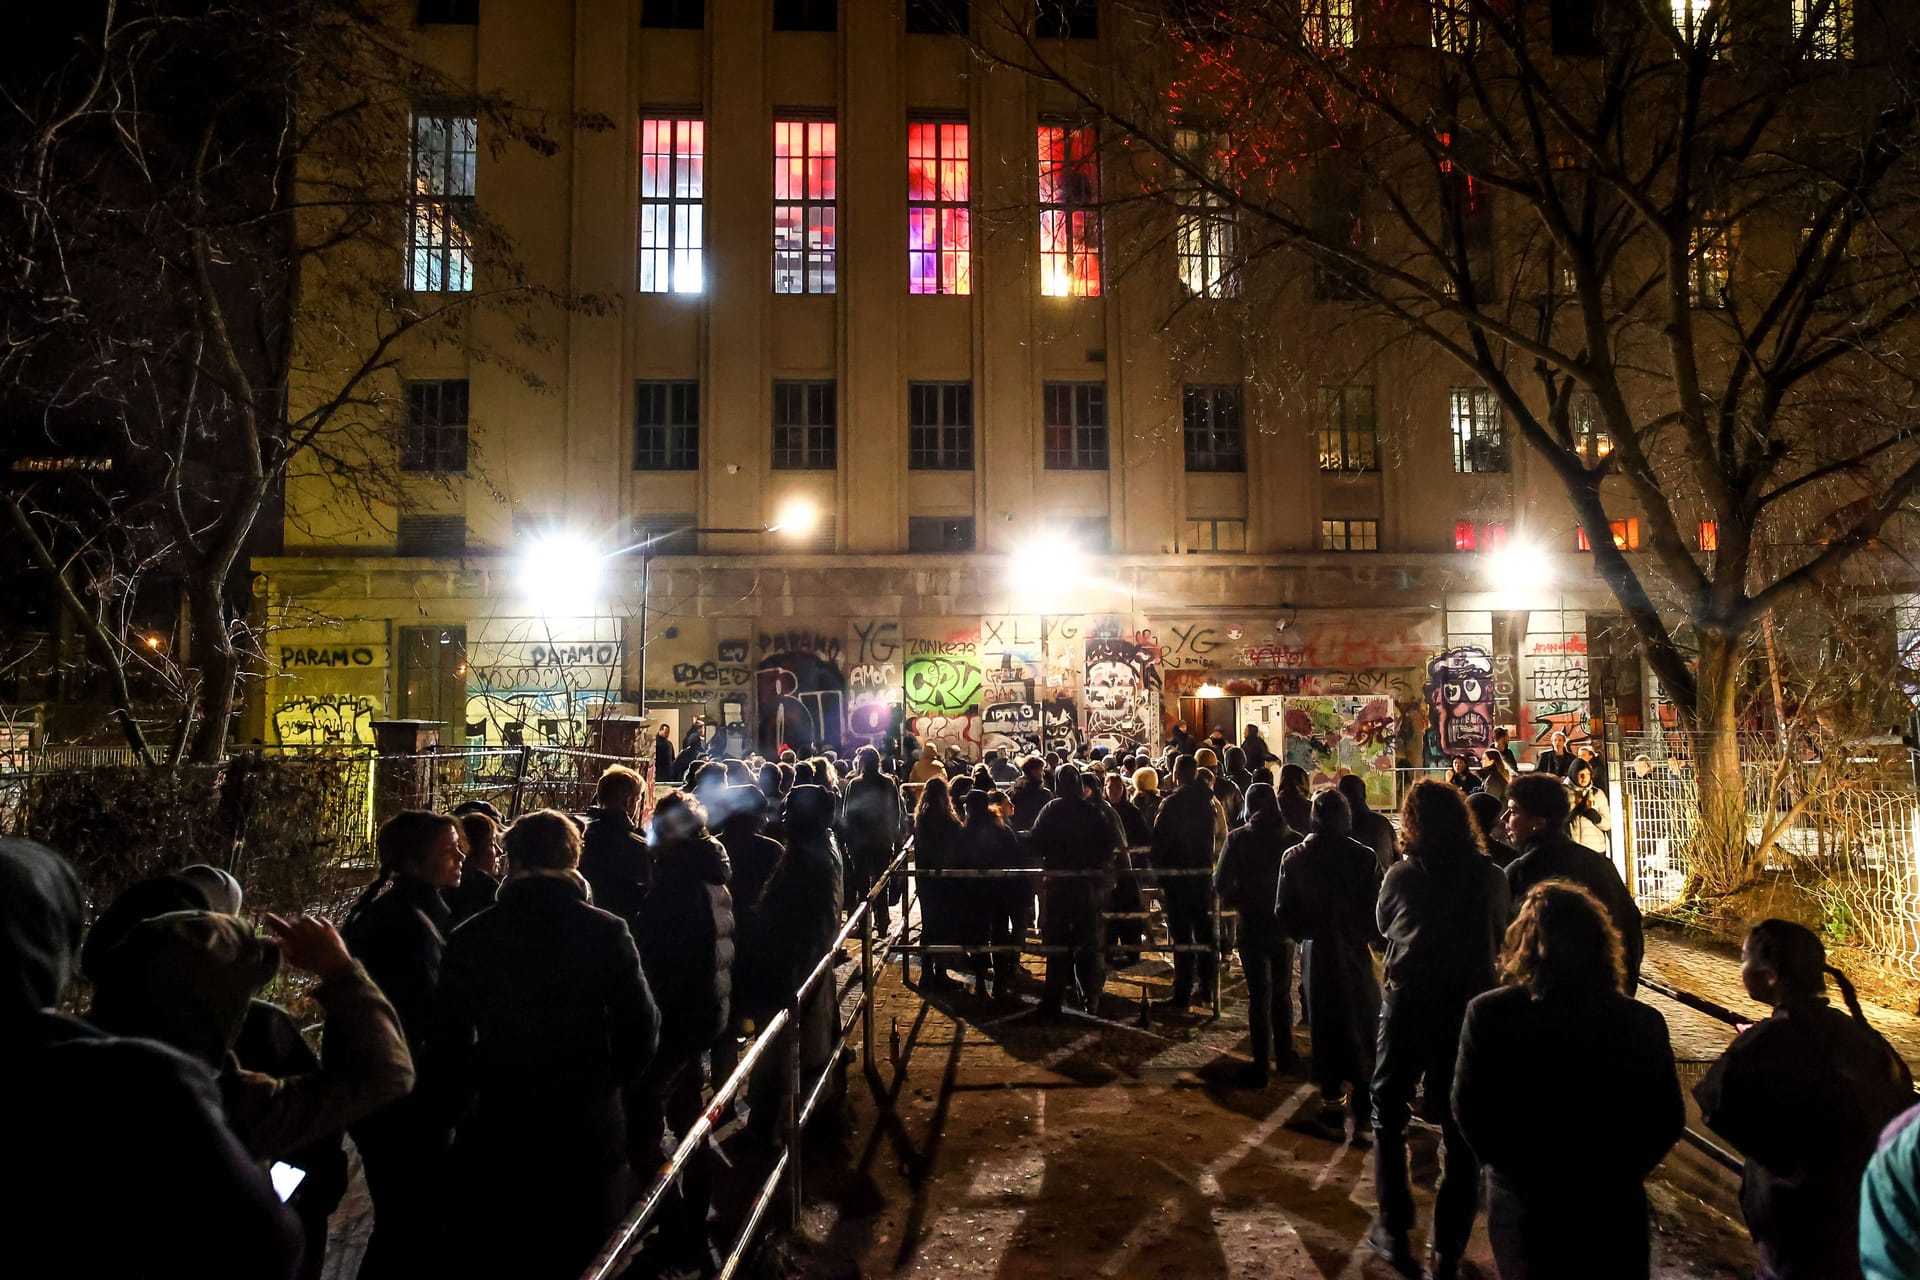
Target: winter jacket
(1555, 763)
(544, 1016)
(1890, 1203)
(1297, 808)
(616, 861)
(938, 846)
(663, 759)
(1557, 858)
(474, 894)
(1803, 1095)
(1444, 917)
(1072, 835)
(1538, 1078)
(872, 817)
(88, 1104)
(1183, 831)
(1148, 803)
(1139, 834)
(400, 938)
(686, 939)
(1029, 796)
(1326, 893)
(1373, 829)
(753, 855)
(1229, 797)
(926, 769)
(1248, 877)
(1591, 818)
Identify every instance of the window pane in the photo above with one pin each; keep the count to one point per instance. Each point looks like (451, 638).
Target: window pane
(804, 163)
(1069, 212)
(672, 183)
(939, 245)
(440, 210)
(666, 426)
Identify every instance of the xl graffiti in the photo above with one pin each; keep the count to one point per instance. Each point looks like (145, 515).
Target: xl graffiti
(1459, 703)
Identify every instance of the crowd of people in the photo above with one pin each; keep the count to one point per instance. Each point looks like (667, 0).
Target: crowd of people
(543, 1007)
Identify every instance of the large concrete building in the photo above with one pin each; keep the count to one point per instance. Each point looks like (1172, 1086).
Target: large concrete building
(1066, 484)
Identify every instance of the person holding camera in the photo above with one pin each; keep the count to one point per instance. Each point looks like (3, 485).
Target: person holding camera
(1588, 819)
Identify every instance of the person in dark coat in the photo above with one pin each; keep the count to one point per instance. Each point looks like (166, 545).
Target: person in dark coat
(614, 857)
(1146, 797)
(1443, 911)
(1370, 828)
(1803, 1095)
(1184, 839)
(664, 755)
(750, 851)
(1233, 767)
(1556, 759)
(1296, 800)
(799, 913)
(999, 909)
(1029, 795)
(1253, 745)
(1503, 746)
(1463, 776)
(398, 930)
(1181, 742)
(1328, 885)
(1248, 881)
(874, 823)
(1537, 817)
(1071, 835)
(1567, 1092)
(937, 847)
(87, 1102)
(1489, 812)
(544, 1017)
(1130, 931)
(479, 869)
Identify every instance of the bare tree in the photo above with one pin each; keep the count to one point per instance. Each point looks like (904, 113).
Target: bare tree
(226, 225)
(1676, 240)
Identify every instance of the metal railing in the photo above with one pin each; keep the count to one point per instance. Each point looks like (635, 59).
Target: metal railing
(802, 1098)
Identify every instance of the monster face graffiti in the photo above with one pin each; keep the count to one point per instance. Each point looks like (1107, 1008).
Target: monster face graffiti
(1460, 701)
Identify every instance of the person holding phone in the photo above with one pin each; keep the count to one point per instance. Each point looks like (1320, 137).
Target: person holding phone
(1588, 818)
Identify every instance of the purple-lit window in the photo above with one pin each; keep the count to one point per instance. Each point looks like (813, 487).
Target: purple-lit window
(939, 231)
(1069, 212)
(803, 210)
(673, 170)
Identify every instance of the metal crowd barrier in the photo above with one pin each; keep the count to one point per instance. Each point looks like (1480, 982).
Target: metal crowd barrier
(801, 1097)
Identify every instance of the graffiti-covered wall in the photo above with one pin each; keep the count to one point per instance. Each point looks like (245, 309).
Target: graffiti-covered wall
(327, 687)
(540, 681)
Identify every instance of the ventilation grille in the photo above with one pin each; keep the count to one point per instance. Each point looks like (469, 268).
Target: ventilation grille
(443, 537)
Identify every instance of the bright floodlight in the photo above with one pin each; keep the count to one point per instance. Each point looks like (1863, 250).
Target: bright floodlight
(561, 573)
(1043, 567)
(1520, 564)
(1209, 691)
(796, 516)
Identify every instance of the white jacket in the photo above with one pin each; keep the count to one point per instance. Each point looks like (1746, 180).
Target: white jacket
(1590, 832)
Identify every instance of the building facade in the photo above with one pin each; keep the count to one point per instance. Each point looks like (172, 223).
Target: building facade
(1064, 484)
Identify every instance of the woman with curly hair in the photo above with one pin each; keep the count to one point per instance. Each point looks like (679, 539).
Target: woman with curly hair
(1560, 1060)
(1442, 910)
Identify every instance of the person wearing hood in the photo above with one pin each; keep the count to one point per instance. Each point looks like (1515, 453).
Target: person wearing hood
(874, 825)
(1248, 881)
(92, 1104)
(1443, 911)
(1146, 797)
(1296, 797)
(1233, 767)
(1329, 883)
(1208, 761)
(1072, 835)
(544, 1016)
(1186, 837)
(397, 928)
(1537, 817)
(614, 855)
(1370, 827)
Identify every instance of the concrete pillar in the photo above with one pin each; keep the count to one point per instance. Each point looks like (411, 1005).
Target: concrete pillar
(402, 766)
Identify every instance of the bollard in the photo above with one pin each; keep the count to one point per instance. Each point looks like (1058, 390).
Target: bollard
(1146, 1008)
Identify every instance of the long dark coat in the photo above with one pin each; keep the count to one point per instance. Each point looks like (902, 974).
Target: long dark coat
(1570, 1102)
(1327, 891)
(615, 860)
(686, 940)
(937, 846)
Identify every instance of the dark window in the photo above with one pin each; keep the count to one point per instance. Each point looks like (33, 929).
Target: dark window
(940, 426)
(1076, 426)
(666, 426)
(806, 15)
(449, 12)
(436, 426)
(684, 15)
(803, 426)
(1089, 533)
(1575, 32)
(936, 17)
(443, 537)
(666, 535)
(1073, 19)
(433, 681)
(939, 533)
(1215, 441)
(1340, 225)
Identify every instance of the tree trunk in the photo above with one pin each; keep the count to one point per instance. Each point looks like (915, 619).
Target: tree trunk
(1719, 856)
(219, 675)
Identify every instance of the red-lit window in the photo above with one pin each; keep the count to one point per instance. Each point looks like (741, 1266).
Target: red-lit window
(1465, 537)
(1490, 535)
(939, 232)
(1626, 535)
(1069, 212)
(804, 160)
(1709, 536)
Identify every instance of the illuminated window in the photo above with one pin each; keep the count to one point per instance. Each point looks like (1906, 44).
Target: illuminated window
(1327, 24)
(1455, 29)
(1207, 534)
(1076, 426)
(440, 208)
(672, 194)
(1826, 26)
(1069, 212)
(1626, 535)
(940, 426)
(1709, 536)
(1589, 440)
(436, 438)
(1211, 418)
(804, 426)
(1349, 438)
(1479, 444)
(1349, 535)
(1470, 535)
(1204, 238)
(666, 426)
(1710, 255)
(1690, 19)
(939, 231)
(803, 209)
